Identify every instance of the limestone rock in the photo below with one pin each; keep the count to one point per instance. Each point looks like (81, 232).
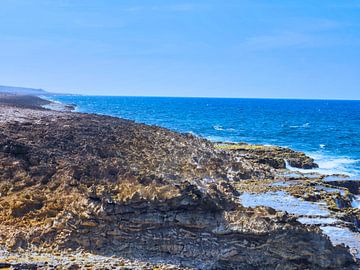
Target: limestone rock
(111, 186)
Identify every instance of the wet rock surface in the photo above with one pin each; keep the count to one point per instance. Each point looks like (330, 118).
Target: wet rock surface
(113, 188)
(312, 202)
(352, 185)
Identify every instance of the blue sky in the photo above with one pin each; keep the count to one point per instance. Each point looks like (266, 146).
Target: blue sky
(225, 48)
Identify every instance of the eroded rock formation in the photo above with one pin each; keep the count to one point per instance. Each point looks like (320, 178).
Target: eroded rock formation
(114, 187)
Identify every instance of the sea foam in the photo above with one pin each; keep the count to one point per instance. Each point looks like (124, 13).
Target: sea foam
(330, 165)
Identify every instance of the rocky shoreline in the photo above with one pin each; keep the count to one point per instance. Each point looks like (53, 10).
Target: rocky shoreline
(83, 191)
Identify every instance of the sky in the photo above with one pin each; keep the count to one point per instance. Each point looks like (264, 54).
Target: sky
(204, 48)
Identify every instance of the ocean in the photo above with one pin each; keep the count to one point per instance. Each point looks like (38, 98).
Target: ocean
(327, 130)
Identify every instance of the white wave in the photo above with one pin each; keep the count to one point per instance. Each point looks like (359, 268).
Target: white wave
(329, 165)
(335, 163)
(322, 146)
(306, 125)
(218, 127)
(50, 99)
(221, 128)
(57, 105)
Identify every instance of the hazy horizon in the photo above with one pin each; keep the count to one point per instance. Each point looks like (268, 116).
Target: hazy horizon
(238, 49)
(64, 93)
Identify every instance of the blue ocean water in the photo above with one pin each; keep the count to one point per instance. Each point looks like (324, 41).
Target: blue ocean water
(327, 130)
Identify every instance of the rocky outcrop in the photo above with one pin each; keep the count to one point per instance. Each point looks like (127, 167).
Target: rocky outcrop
(274, 156)
(194, 227)
(352, 185)
(22, 101)
(114, 187)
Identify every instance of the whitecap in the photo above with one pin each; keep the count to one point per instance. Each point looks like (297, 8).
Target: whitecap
(306, 125)
(218, 127)
(329, 165)
(221, 128)
(335, 163)
(220, 139)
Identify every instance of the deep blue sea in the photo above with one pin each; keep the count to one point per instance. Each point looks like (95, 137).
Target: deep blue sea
(327, 130)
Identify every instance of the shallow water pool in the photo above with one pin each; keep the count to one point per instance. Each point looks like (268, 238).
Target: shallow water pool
(343, 236)
(281, 201)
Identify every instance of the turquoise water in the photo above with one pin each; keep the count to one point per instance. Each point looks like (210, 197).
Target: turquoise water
(328, 130)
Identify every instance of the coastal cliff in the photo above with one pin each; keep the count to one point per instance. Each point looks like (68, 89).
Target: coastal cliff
(113, 187)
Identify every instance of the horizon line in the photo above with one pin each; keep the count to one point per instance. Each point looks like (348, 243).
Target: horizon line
(204, 97)
(48, 92)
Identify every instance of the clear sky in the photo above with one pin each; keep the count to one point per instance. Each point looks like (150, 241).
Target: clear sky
(224, 48)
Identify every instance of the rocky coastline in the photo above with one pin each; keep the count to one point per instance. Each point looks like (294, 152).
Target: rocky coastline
(85, 191)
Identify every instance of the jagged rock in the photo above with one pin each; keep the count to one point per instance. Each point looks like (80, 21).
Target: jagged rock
(352, 185)
(112, 186)
(273, 156)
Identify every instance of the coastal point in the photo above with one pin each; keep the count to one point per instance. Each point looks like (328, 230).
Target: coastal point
(75, 184)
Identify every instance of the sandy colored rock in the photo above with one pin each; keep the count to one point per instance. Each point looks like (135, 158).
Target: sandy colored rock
(112, 187)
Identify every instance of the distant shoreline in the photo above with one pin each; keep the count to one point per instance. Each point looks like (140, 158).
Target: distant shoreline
(27, 101)
(33, 102)
(203, 97)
